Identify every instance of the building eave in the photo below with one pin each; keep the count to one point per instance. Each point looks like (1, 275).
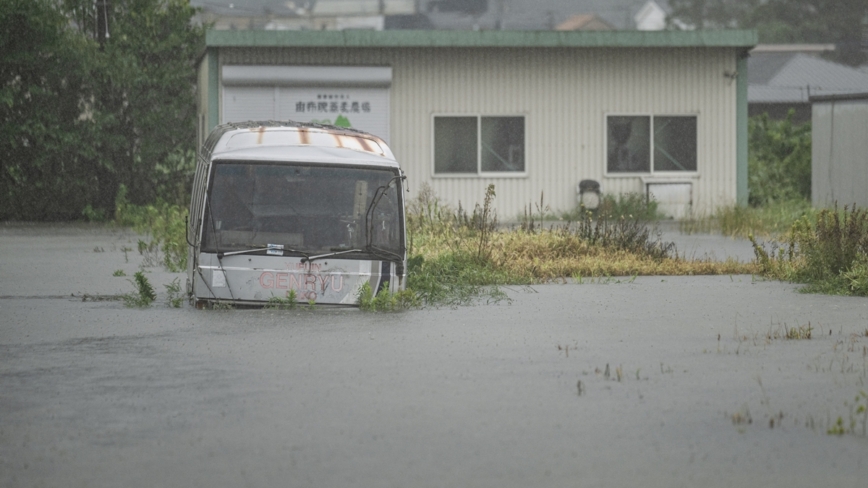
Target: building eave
(493, 39)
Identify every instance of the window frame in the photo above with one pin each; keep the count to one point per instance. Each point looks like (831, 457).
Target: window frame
(479, 173)
(651, 171)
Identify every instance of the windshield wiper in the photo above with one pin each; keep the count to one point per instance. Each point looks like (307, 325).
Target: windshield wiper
(274, 249)
(376, 252)
(328, 255)
(382, 253)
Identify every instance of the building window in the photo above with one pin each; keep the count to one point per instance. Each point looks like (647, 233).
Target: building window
(632, 149)
(476, 144)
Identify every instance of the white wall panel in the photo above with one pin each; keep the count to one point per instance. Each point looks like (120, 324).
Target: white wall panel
(242, 103)
(839, 153)
(564, 95)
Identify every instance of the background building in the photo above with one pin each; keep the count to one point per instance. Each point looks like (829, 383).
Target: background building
(429, 14)
(532, 112)
(839, 150)
(783, 77)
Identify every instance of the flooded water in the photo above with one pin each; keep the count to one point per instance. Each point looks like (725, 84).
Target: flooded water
(661, 381)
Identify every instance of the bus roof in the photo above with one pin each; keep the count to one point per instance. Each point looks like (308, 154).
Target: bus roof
(251, 136)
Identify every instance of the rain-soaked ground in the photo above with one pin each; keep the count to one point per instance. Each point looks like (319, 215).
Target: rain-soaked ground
(659, 382)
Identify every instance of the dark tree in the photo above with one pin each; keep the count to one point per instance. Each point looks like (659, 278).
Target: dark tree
(95, 95)
(47, 171)
(840, 22)
(144, 98)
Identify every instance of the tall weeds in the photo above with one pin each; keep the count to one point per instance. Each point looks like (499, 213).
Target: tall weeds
(828, 253)
(456, 257)
(628, 205)
(770, 220)
(164, 223)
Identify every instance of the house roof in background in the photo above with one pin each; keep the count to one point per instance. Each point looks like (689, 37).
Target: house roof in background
(461, 38)
(543, 14)
(584, 22)
(514, 14)
(793, 77)
(849, 97)
(250, 8)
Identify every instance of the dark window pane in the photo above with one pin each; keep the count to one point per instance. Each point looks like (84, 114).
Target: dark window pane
(674, 143)
(455, 145)
(503, 144)
(629, 144)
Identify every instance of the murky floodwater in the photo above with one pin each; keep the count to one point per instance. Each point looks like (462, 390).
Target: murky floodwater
(659, 382)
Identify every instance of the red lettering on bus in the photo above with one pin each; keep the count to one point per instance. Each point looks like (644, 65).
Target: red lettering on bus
(266, 279)
(294, 282)
(282, 279)
(338, 278)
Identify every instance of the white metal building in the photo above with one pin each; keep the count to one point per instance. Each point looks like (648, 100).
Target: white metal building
(532, 112)
(839, 150)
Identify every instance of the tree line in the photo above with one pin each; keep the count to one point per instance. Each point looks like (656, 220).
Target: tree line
(97, 98)
(839, 22)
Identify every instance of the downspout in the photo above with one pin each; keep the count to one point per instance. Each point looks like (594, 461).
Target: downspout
(831, 162)
(741, 136)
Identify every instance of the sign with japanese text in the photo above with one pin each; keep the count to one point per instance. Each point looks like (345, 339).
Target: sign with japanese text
(365, 109)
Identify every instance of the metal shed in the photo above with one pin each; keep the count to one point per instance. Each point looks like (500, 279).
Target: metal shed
(661, 113)
(839, 150)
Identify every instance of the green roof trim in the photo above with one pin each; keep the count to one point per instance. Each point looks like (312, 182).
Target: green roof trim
(441, 38)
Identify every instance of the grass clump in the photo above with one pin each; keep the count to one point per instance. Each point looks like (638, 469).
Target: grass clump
(451, 252)
(613, 207)
(858, 415)
(385, 301)
(769, 221)
(290, 302)
(144, 293)
(174, 297)
(827, 253)
(800, 332)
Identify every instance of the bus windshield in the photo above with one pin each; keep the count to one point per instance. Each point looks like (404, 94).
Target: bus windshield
(303, 209)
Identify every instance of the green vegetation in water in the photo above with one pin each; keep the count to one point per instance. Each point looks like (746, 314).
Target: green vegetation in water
(386, 301)
(283, 303)
(174, 297)
(828, 253)
(858, 415)
(144, 293)
(165, 226)
(458, 257)
(771, 220)
(614, 207)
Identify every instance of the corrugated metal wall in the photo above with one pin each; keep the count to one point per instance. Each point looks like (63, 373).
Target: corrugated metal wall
(564, 95)
(839, 153)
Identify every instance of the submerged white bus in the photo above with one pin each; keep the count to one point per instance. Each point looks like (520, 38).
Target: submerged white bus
(294, 210)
